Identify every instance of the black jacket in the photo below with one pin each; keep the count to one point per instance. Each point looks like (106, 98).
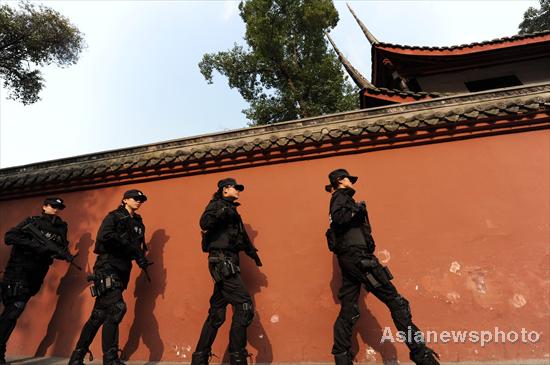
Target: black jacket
(29, 260)
(223, 228)
(120, 239)
(350, 221)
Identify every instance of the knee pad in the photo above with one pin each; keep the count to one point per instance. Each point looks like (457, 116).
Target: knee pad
(98, 317)
(399, 303)
(243, 313)
(14, 310)
(117, 312)
(350, 314)
(216, 316)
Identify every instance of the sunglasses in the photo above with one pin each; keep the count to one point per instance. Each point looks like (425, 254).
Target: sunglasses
(139, 200)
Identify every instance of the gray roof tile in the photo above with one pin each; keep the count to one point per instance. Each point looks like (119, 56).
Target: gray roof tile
(467, 109)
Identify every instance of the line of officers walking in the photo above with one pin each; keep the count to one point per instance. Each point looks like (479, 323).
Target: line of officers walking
(38, 240)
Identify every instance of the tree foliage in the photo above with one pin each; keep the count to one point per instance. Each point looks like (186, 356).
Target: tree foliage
(31, 37)
(286, 71)
(536, 20)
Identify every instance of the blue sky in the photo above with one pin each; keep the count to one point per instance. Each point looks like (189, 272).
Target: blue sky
(138, 81)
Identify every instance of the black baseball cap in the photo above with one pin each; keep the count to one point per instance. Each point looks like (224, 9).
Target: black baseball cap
(135, 194)
(339, 174)
(55, 203)
(230, 181)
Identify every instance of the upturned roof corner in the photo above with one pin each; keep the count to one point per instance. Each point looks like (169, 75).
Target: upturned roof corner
(355, 75)
(372, 39)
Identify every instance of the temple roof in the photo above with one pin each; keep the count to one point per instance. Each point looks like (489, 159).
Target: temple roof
(413, 61)
(395, 95)
(504, 42)
(381, 93)
(395, 65)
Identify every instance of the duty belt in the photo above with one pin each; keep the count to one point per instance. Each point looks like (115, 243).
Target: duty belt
(104, 283)
(223, 265)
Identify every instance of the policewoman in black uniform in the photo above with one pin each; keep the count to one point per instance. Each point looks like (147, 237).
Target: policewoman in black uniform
(350, 238)
(35, 243)
(224, 237)
(120, 240)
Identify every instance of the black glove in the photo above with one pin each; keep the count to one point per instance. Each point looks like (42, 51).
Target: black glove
(359, 210)
(142, 262)
(64, 255)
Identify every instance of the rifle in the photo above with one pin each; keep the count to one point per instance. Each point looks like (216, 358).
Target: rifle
(140, 249)
(38, 236)
(249, 247)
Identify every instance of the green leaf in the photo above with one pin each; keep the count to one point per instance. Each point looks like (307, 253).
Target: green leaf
(31, 37)
(286, 70)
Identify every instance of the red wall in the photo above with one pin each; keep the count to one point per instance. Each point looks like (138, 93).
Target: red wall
(482, 204)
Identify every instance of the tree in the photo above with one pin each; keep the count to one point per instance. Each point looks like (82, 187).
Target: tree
(536, 20)
(286, 71)
(31, 37)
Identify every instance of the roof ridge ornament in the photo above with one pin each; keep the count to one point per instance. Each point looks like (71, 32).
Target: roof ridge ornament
(372, 39)
(355, 75)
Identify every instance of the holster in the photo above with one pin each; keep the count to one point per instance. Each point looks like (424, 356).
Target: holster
(376, 275)
(103, 283)
(222, 267)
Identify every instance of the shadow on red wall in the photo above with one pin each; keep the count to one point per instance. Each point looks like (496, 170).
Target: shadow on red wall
(145, 325)
(69, 304)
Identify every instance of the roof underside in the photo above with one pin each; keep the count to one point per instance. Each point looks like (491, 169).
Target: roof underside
(412, 61)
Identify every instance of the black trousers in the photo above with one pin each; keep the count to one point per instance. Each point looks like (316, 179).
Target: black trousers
(108, 311)
(353, 277)
(13, 308)
(229, 290)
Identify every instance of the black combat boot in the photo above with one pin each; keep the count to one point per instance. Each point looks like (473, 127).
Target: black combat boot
(344, 358)
(111, 357)
(424, 356)
(238, 358)
(77, 357)
(200, 357)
